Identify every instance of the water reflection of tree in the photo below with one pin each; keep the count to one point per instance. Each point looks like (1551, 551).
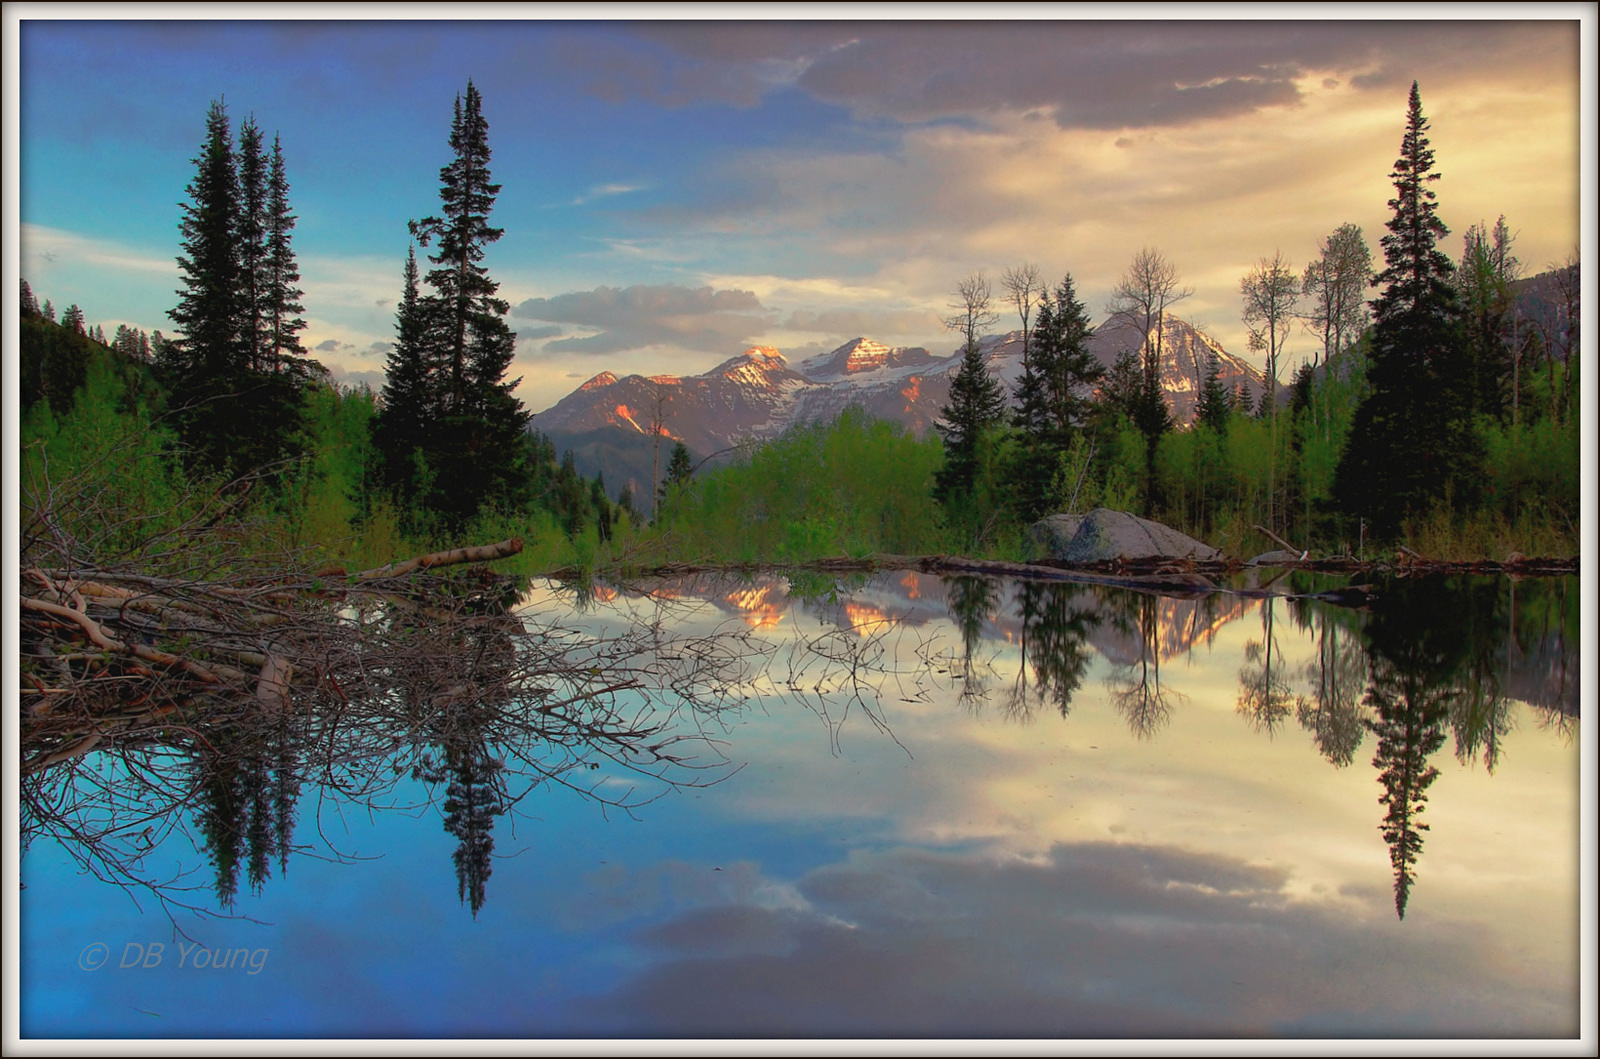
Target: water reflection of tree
(972, 601)
(1265, 698)
(460, 760)
(448, 687)
(1136, 689)
(247, 783)
(1056, 621)
(1333, 712)
(1431, 644)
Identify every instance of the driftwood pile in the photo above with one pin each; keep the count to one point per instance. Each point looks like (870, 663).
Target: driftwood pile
(110, 651)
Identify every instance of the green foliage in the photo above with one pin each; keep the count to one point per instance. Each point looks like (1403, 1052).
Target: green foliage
(54, 363)
(851, 487)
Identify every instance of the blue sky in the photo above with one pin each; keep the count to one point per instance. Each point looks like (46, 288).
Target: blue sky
(673, 192)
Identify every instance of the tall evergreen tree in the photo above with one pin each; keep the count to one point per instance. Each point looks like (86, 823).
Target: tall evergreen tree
(250, 245)
(408, 415)
(1053, 397)
(234, 411)
(1412, 439)
(201, 364)
(1215, 407)
(480, 447)
(977, 403)
(281, 296)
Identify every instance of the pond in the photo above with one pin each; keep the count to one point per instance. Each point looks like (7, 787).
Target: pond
(901, 805)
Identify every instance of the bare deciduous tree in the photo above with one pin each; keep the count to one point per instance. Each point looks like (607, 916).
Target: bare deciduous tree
(1023, 287)
(974, 309)
(1270, 292)
(1141, 299)
(1336, 285)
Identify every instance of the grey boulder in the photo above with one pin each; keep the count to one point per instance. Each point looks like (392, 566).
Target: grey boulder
(1104, 535)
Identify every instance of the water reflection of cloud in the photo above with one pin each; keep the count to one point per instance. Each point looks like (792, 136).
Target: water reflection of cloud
(1093, 940)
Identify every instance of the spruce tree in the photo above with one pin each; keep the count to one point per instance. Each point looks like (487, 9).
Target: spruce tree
(281, 296)
(408, 415)
(1412, 440)
(1215, 407)
(249, 236)
(480, 447)
(235, 410)
(1052, 397)
(977, 403)
(1069, 369)
(200, 365)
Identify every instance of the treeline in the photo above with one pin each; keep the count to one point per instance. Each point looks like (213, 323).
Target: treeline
(231, 412)
(1445, 417)
(1440, 415)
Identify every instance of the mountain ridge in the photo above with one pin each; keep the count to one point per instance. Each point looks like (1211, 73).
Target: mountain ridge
(611, 423)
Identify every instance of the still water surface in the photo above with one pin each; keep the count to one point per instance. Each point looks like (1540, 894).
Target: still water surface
(902, 805)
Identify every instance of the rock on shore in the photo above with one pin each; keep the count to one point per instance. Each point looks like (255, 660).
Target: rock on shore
(1104, 535)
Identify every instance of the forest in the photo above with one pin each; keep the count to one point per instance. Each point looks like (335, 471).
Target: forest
(1438, 415)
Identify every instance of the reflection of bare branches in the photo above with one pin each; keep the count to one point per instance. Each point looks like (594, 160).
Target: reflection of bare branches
(1264, 696)
(432, 679)
(1338, 677)
(843, 670)
(1136, 689)
(1557, 720)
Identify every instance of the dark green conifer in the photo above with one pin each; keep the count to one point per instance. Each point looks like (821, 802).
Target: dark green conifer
(1412, 439)
(977, 403)
(479, 447)
(1215, 407)
(281, 295)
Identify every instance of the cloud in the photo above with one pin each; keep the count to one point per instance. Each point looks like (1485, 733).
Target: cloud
(1095, 939)
(44, 247)
(533, 334)
(699, 319)
(602, 191)
(868, 322)
(1085, 74)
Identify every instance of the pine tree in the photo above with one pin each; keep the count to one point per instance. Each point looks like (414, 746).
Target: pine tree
(1412, 440)
(30, 303)
(1053, 401)
(408, 414)
(234, 409)
(480, 447)
(200, 365)
(249, 238)
(281, 296)
(977, 403)
(1215, 407)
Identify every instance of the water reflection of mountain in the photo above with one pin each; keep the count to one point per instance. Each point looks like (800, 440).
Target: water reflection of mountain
(1537, 661)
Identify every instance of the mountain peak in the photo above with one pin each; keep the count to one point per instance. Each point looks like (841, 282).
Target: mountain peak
(599, 382)
(755, 361)
(861, 355)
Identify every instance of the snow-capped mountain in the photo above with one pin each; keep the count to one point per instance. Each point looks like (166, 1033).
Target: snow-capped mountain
(611, 424)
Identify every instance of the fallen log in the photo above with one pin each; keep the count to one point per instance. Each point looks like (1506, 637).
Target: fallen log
(481, 553)
(107, 642)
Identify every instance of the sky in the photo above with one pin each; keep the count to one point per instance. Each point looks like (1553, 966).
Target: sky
(674, 192)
